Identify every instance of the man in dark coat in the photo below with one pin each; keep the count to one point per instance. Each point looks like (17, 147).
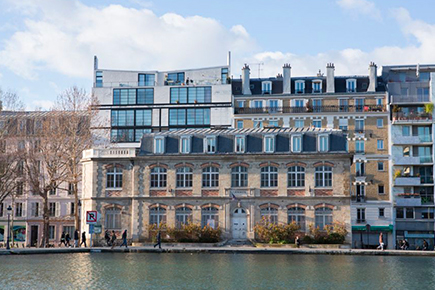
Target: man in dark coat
(76, 238)
(83, 239)
(159, 241)
(113, 239)
(124, 239)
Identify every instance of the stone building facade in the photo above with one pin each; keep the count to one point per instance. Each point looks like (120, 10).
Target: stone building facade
(229, 178)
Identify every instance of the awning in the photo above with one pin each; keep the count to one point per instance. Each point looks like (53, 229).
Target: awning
(373, 228)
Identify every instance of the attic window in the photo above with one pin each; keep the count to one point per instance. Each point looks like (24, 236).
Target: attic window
(351, 85)
(266, 87)
(317, 86)
(300, 87)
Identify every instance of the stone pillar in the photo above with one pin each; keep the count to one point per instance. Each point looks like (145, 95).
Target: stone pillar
(197, 180)
(282, 180)
(171, 181)
(170, 216)
(309, 180)
(282, 215)
(196, 215)
(309, 217)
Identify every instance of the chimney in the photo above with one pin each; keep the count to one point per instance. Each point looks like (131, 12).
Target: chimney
(330, 79)
(286, 81)
(229, 59)
(246, 86)
(373, 77)
(95, 62)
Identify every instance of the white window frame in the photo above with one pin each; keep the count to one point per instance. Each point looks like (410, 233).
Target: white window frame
(383, 166)
(343, 123)
(317, 120)
(293, 143)
(185, 146)
(303, 123)
(243, 143)
(315, 82)
(267, 145)
(382, 123)
(264, 89)
(237, 124)
(277, 123)
(301, 84)
(156, 142)
(241, 103)
(208, 139)
(381, 142)
(348, 82)
(319, 143)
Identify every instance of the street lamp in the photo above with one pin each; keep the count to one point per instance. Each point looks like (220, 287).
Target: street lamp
(9, 209)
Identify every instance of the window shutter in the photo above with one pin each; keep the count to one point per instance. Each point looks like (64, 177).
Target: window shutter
(280, 103)
(57, 209)
(33, 208)
(24, 209)
(68, 208)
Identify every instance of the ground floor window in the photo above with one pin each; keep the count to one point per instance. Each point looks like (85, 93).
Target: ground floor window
(270, 214)
(157, 216)
(323, 217)
(210, 217)
(51, 232)
(183, 216)
(69, 230)
(113, 219)
(297, 215)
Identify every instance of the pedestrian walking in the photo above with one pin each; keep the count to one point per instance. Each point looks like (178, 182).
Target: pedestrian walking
(124, 239)
(76, 238)
(297, 242)
(62, 239)
(107, 237)
(159, 241)
(113, 239)
(83, 239)
(67, 240)
(381, 242)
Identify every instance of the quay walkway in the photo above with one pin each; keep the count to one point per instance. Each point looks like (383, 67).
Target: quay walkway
(215, 250)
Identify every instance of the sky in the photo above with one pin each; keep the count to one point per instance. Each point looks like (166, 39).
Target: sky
(47, 46)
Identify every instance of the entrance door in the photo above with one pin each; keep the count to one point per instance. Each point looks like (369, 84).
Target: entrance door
(33, 236)
(239, 224)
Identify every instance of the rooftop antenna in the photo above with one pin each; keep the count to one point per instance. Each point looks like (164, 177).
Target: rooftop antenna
(259, 67)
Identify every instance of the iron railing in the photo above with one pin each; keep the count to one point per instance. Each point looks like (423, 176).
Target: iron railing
(310, 109)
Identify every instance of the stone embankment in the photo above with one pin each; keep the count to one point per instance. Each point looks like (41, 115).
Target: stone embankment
(216, 250)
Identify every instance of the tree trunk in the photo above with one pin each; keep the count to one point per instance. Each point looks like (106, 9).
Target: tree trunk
(11, 229)
(76, 206)
(45, 238)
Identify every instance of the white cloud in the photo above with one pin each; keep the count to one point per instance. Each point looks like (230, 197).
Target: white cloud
(363, 7)
(64, 35)
(40, 105)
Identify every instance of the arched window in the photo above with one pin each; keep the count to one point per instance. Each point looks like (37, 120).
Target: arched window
(323, 217)
(210, 217)
(269, 176)
(323, 176)
(184, 177)
(270, 214)
(158, 177)
(113, 219)
(239, 176)
(296, 176)
(157, 216)
(297, 215)
(210, 177)
(183, 216)
(114, 177)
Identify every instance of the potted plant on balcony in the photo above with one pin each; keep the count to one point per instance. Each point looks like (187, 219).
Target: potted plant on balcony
(397, 173)
(428, 109)
(309, 106)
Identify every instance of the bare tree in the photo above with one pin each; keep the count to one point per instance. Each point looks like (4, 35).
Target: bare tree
(45, 166)
(76, 104)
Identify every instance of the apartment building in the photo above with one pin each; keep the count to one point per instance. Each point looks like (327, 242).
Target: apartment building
(26, 207)
(355, 104)
(132, 103)
(411, 96)
(229, 178)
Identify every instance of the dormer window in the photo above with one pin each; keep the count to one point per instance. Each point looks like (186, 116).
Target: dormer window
(300, 87)
(185, 144)
(317, 86)
(351, 85)
(266, 87)
(269, 144)
(240, 144)
(159, 145)
(210, 144)
(323, 143)
(296, 143)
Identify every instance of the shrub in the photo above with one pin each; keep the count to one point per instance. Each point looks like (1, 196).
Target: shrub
(272, 233)
(191, 233)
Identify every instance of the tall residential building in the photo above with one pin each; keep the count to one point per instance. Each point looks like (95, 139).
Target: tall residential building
(411, 91)
(132, 103)
(355, 104)
(230, 178)
(27, 207)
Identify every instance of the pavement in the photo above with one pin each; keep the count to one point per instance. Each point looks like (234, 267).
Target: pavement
(216, 250)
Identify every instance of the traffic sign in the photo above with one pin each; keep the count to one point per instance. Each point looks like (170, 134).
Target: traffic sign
(97, 229)
(91, 217)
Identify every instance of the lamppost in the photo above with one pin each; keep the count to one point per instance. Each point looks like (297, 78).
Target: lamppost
(9, 209)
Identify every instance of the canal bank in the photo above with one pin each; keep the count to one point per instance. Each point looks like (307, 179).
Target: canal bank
(218, 250)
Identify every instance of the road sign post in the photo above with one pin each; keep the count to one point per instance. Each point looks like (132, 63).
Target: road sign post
(91, 220)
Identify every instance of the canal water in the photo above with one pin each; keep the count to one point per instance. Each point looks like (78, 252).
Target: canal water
(214, 271)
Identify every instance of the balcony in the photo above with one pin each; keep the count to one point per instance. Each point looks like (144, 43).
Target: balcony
(126, 84)
(415, 117)
(407, 181)
(410, 160)
(309, 109)
(420, 139)
(109, 153)
(408, 199)
(410, 99)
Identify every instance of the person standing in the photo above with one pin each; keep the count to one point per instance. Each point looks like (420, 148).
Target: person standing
(76, 238)
(83, 239)
(124, 239)
(67, 239)
(113, 239)
(297, 242)
(425, 245)
(107, 237)
(381, 242)
(159, 240)
(62, 239)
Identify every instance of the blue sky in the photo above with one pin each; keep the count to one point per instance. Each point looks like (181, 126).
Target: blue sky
(48, 45)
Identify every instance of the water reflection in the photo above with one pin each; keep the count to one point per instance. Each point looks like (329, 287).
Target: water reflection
(215, 271)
